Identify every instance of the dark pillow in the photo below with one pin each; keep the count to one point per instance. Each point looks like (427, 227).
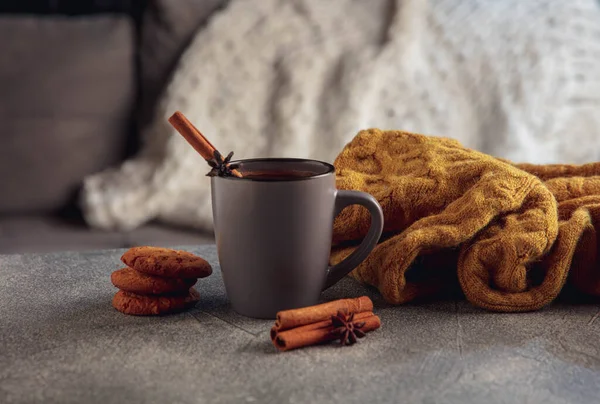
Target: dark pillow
(68, 87)
(73, 7)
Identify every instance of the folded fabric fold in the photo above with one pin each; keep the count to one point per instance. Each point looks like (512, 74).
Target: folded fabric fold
(450, 212)
(577, 191)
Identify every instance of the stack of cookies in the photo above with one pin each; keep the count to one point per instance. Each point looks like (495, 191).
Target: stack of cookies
(158, 281)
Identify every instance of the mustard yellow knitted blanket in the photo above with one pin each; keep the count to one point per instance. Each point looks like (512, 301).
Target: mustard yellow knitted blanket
(512, 235)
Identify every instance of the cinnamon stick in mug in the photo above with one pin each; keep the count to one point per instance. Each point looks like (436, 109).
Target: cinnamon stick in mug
(317, 333)
(309, 315)
(195, 138)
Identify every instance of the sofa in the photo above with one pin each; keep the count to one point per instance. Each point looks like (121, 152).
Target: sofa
(80, 80)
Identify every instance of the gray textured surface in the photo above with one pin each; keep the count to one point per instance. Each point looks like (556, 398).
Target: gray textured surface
(61, 341)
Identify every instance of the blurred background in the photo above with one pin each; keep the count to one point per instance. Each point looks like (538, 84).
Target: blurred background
(82, 80)
(78, 79)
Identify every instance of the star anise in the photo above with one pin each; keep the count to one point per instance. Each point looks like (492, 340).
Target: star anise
(346, 329)
(221, 166)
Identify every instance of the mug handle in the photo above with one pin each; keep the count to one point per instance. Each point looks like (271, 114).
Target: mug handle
(346, 198)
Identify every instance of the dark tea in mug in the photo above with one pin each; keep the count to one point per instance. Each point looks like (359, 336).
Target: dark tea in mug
(277, 175)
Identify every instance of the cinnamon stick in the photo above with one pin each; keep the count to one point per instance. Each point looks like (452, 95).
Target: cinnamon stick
(309, 315)
(195, 138)
(317, 333)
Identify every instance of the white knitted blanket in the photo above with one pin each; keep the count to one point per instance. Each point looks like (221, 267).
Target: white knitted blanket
(517, 79)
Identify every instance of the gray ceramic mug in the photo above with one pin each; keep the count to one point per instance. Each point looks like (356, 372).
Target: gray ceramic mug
(273, 234)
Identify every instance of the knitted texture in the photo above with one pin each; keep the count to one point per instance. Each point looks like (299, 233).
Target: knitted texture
(516, 79)
(452, 212)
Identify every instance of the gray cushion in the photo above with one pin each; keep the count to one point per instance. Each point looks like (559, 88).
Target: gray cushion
(168, 27)
(68, 87)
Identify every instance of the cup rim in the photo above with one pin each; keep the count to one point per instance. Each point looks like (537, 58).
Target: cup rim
(330, 169)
